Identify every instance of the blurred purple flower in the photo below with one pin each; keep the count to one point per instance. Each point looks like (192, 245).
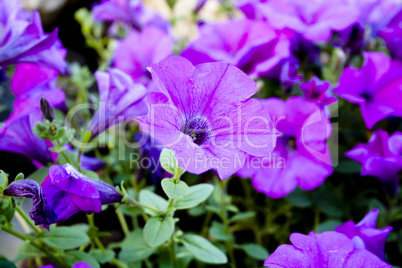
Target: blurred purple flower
(151, 46)
(132, 12)
(376, 87)
(32, 82)
(204, 114)
(326, 250)
(318, 91)
(392, 35)
(16, 135)
(23, 40)
(67, 191)
(380, 157)
(365, 235)
(150, 151)
(301, 156)
(40, 212)
(120, 100)
(252, 46)
(316, 20)
(77, 265)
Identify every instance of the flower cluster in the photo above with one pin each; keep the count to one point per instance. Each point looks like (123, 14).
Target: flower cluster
(287, 98)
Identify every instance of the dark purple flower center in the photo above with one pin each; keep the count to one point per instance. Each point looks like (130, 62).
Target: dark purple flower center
(366, 96)
(197, 129)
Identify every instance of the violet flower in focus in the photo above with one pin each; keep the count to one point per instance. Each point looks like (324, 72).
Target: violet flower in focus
(132, 12)
(301, 156)
(23, 40)
(381, 158)
(204, 114)
(318, 91)
(120, 100)
(365, 235)
(67, 191)
(151, 45)
(376, 87)
(252, 46)
(325, 250)
(40, 212)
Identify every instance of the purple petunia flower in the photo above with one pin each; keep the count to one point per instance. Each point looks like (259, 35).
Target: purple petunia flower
(380, 157)
(132, 12)
(204, 114)
(326, 250)
(392, 35)
(318, 91)
(120, 100)
(376, 87)
(67, 191)
(301, 156)
(80, 264)
(32, 82)
(40, 212)
(365, 235)
(148, 159)
(16, 136)
(23, 40)
(151, 45)
(252, 46)
(316, 20)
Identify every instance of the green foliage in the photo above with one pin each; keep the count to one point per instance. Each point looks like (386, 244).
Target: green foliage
(64, 238)
(39, 175)
(72, 257)
(134, 248)
(102, 256)
(174, 189)
(153, 200)
(203, 250)
(27, 251)
(158, 230)
(255, 251)
(195, 196)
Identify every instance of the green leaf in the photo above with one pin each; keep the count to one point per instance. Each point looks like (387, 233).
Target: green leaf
(39, 175)
(243, 216)
(72, 257)
(328, 225)
(64, 238)
(102, 256)
(203, 250)
(255, 251)
(168, 161)
(91, 174)
(26, 251)
(134, 248)
(72, 157)
(196, 195)
(157, 230)
(4, 263)
(218, 231)
(153, 200)
(174, 189)
(299, 198)
(3, 179)
(19, 177)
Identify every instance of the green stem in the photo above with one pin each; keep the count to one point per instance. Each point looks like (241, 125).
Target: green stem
(133, 202)
(79, 160)
(41, 248)
(56, 143)
(123, 222)
(229, 243)
(173, 248)
(28, 219)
